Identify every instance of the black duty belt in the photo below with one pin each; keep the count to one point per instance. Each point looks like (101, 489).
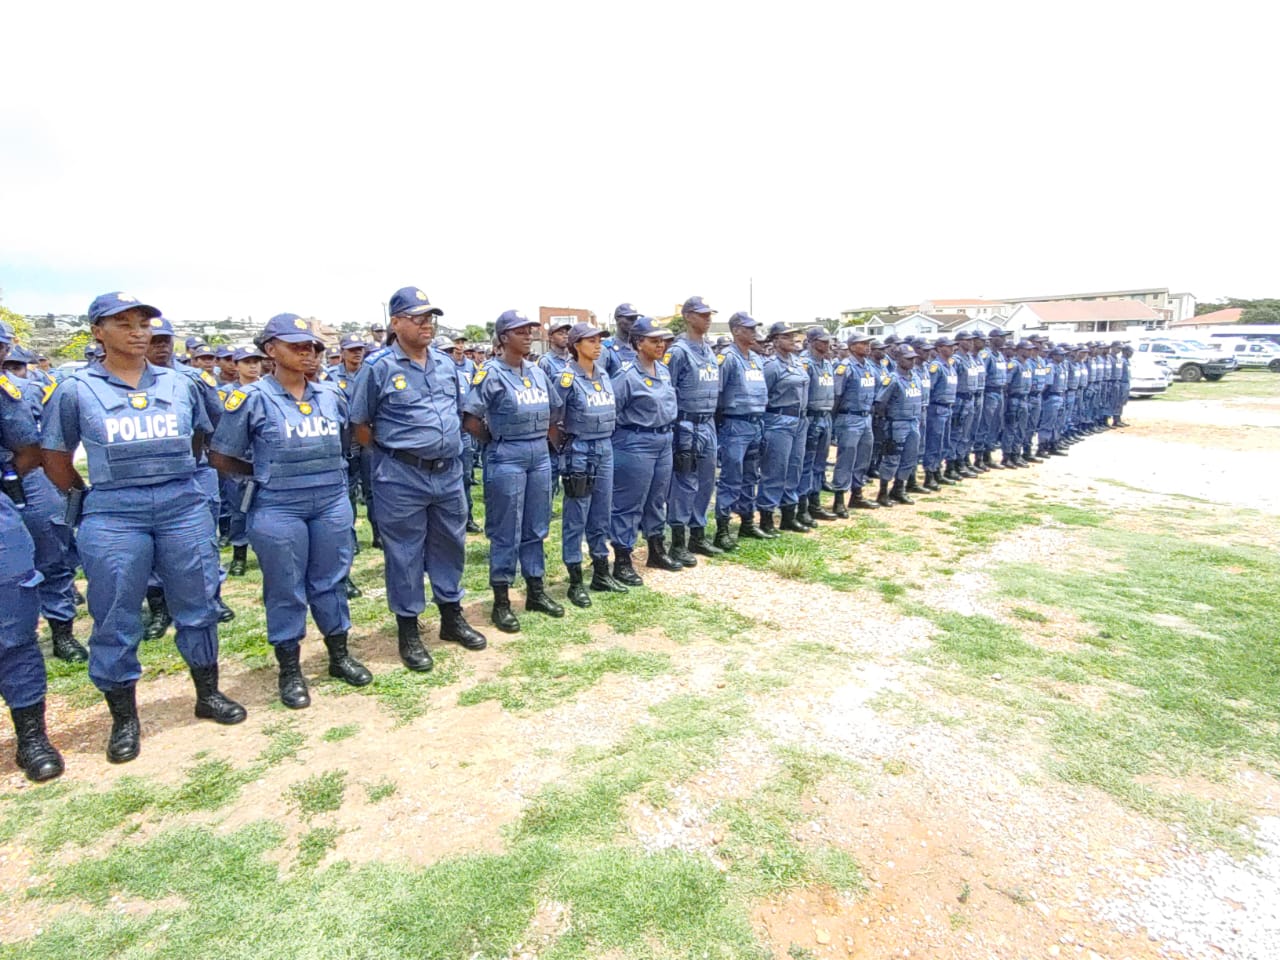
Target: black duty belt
(815, 412)
(784, 411)
(635, 428)
(964, 396)
(857, 413)
(696, 417)
(753, 417)
(422, 463)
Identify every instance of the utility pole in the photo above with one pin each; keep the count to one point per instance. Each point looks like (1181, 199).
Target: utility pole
(751, 295)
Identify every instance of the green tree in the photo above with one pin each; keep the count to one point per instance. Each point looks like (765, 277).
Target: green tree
(21, 328)
(1260, 314)
(73, 349)
(475, 333)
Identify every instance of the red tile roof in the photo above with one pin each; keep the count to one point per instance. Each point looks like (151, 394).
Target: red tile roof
(1073, 311)
(1229, 315)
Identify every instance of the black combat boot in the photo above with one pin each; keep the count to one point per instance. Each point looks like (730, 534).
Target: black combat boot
(963, 470)
(899, 494)
(747, 529)
(413, 654)
(472, 526)
(698, 543)
(802, 514)
(225, 613)
(578, 594)
(837, 506)
(292, 684)
(342, 665)
(947, 477)
(860, 502)
(455, 629)
(37, 757)
(932, 481)
(725, 540)
(351, 589)
(65, 645)
(658, 558)
(537, 600)
(912, 485)
(603, 582)
(679, 551)
(623, 572)
(882, 498)
(502, 616)
(377, 537)
(239, 561)
(789, 522)
(817, 511)
(126, 733)
(160, 618)
(212, 703)
(1055, 449)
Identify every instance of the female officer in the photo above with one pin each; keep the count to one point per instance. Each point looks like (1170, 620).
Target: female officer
(583, 417)
(645, 403)
(143, 429)
(286, 433)
(248, 365)
(509, 408)
(785, 431)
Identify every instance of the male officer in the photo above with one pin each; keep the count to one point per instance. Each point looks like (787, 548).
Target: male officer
(378, 335)
(899, 400)
(695, 374)
(407, 409)
(1040, 376)
(557, 356)
(993, 399)
(856, 380)
(822, 396)
(1126, 380)
(944, 380)
(962, 410)
(785, 430)
(618, 351)
(1015, 414)
(743, 397)
(1051, 404)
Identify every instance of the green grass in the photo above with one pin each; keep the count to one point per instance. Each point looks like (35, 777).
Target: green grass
(1238, 383)
(319, 793)
(405, 693)
(315, 843)
(808, 559)
(377, 792)
(1183, 647)
(342, 732)
(283, 743)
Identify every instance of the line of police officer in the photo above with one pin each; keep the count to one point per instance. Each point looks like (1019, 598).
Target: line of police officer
(640, 431)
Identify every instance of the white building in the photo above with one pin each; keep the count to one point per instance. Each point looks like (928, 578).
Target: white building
(1083, 316)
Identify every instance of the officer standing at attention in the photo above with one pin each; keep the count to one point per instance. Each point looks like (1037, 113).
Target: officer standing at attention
(284, 435)
(143, 429)
(248, 365)
(226, 366)
(406, 411)
(41, 507)
(944, 380)
(557, 356)
(785, 430)
(898, 402)
(378, 335)
(1015, 415)
(991, 425)
(744, 394)
(822, 397)
(509, 409)
(1126, 380)
(695, 375)
(619, 351)
(1040, 375)
(582, 422)
(646, 409)
(857, 379)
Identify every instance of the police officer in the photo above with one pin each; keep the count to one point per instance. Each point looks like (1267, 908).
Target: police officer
(1015, 415)
(143, 428)
(991, 427)
(557, 356)
(899, 399)
(857, 379)
(248, 365)
(582, 423)
(1126, 381)
(785, 430)
(943, 384)
(284, 435)
(509, 410)
(646, 409)
(744, 395)
(43, 508)
(695, 375)
(1040, 375)
(406, 411)
(619, 351)
(378, 335)
(822, 394)
(957, 453)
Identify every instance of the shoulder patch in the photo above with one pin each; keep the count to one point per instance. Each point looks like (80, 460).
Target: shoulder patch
(719, 358)
(48, 391)
(9, 387)
(566, 379)
(235, 400)
(666, 358)
(933, 367)
(480, 375)
(207, 377)
(884, 381)
(222, 395)
(841, 369)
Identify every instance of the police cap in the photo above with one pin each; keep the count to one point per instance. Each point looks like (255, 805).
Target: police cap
(817, 333)
(583, 331)
(290, 328)
(780, 329)
(411, 302)
(625, 310)
(248, 353)
(741, 319)
(648, 327)
(109, 304)
(161, 327)
(696, 305)
(352, 342)
(512, 320)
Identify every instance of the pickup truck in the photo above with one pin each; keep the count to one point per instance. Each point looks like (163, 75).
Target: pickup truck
(1189, 360)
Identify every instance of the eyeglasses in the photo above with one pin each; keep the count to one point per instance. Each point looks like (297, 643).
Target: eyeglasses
(423, 320)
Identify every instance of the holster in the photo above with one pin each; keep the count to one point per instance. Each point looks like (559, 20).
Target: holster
(578, 485)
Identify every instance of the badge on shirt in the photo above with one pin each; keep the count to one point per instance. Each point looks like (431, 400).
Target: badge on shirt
(719, 359)
(884, 381)
(235, 400)
(480, 375)
(9, 387)
(648, 382)
(566, 379)
(138, 401)
(528, 382)
(596, 385)
(207, 377)
(342, 384)
(841, 369)
(304, 408)
(398, 381)
(933, 367)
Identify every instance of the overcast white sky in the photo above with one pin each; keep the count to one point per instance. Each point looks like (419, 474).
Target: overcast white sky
(266, 157)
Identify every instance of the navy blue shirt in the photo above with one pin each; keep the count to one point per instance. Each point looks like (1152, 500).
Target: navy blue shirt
(642, 399)
(411, 406)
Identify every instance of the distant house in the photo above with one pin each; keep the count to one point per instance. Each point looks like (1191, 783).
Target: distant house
(1169, 307)
(993, 311)
(1205, 321)
(1084, 316)
(913, 324)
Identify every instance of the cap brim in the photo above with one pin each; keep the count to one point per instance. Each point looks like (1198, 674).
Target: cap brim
(296, 336)
(148, 310)
(519, 326)
(420, 310)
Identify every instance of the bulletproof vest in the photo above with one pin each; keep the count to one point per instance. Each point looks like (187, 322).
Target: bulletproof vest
(997, 370)
(977, 373)
(946, 380)
(747, 392)
(589, 412)
(1020, 378)
(1061, 378)
(302, 442)
(698, 385)
(822, 383)
(790, 385)
(136, 436)
(522, 409)
(860, 389)
(908, 400)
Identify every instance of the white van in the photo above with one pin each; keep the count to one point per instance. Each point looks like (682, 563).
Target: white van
(1248, 353)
